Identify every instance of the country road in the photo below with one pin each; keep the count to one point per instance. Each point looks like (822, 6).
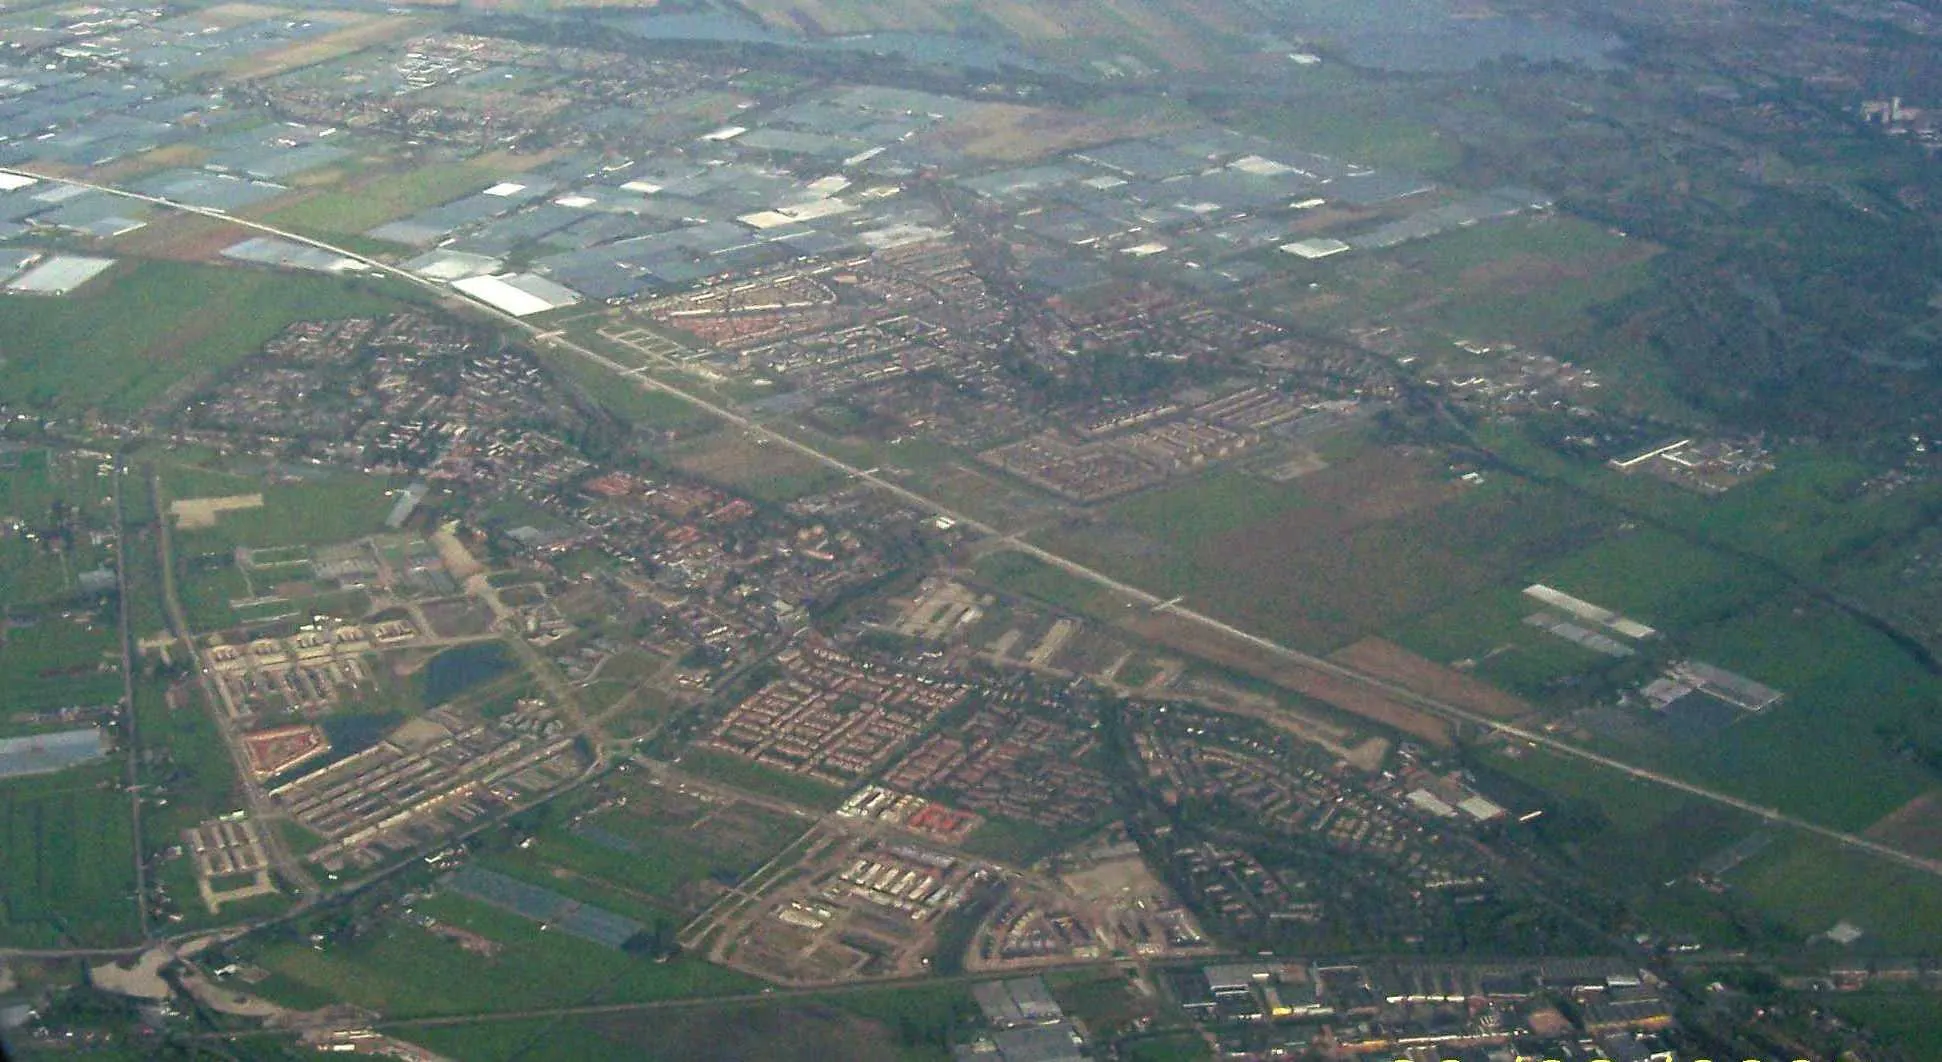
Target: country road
(555, 341)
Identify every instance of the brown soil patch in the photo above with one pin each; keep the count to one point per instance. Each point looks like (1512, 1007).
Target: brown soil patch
(180, 237)
(1011, 133)
(1343, 694)
(1391, 662)
(163, 158)
(353, 38)
(1915, 827)
(194, 513)
(735, 459)
(1522, 272)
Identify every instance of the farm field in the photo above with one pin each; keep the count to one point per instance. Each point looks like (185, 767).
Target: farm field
(403, 970)
(910, 1025)
(1812, 884)
(67, 873)
(1812, 512)
(138, 331)
(187, 760)
(68, 659)
(1329, 558)
(380, 195)
(1647, 574)
(765, 472)
(1826, 752)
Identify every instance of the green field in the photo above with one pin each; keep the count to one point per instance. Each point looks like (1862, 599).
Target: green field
(402, 970)
(1018, 843)
(67, 871)
(1354, 549)
(380, 198)
(1906, 1019)
(1351, 118)
(59, 661)
(1819, 753)
(1016, 573)
(1811, 884)
(124, 340)
(1808, 514)
(1168, 1047)
(909, 1025)
(1648, 575)
(755, 778)
(327, 509)
(186, 762)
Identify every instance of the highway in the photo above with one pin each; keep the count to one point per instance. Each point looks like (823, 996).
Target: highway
(555, 341)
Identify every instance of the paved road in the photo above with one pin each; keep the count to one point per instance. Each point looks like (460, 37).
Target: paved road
(129, 715)
(558, 342)
(266, 814)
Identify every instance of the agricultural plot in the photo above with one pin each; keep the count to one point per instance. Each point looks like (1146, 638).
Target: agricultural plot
(1814, 885)
(1832, 750)
(401, 969)
(380, 195)
(66, 659)
(1335, 555)
(761, 470)
(67, 874)
(143, 328)
(905, 1027)
(1645, 573)
(186, 760)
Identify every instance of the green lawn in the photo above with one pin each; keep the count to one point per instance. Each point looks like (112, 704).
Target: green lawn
(122, 341)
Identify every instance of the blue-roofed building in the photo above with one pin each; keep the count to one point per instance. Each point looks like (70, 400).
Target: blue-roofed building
(42, 753)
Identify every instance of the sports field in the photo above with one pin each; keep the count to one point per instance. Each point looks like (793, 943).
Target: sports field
(323, 509)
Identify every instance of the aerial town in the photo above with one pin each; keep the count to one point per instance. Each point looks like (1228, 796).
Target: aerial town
(810, 529)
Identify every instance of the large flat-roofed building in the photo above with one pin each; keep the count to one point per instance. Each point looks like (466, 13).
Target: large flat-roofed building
(59, 274)
(43, 753)
(1019, 1001)
(519, 294)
